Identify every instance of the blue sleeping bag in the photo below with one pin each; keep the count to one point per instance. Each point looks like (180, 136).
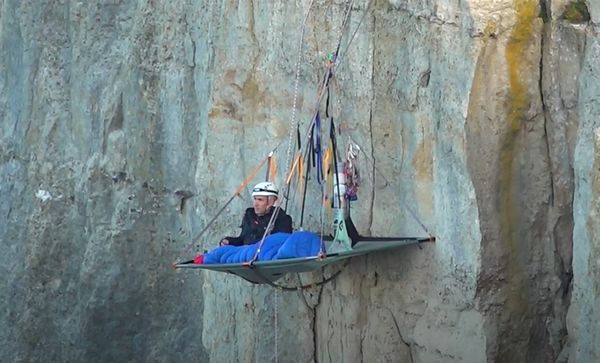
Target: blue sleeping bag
(276, 246)
(300, 244)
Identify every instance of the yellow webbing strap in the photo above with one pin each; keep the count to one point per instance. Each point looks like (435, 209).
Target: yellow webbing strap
(328, 179)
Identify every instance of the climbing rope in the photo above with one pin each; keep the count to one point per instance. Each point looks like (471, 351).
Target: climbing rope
(276, 298)
(311, 285)
(296, 84)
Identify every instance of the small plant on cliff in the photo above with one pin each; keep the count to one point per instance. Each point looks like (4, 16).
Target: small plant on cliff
(576, 12)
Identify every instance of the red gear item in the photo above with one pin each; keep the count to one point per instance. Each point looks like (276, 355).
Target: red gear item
(199, 260)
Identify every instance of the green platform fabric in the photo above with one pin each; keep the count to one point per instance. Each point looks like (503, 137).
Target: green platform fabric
(261, 272)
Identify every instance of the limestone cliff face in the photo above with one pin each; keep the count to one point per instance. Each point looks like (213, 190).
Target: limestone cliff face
(125, 125)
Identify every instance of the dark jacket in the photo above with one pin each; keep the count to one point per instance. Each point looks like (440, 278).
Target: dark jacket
(254, 226)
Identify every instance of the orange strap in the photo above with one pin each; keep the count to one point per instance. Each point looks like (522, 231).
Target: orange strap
(272, 169)
(250, 176)
(237, 193)
(292, 169)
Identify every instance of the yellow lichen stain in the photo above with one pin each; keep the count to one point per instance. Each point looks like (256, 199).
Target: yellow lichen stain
(229, 77)
(518, 67)
(278, 129)
(422, 163)
(214, 113)
(252, 97)
(250, 90)
(423, 166)
(220, 110)
(518, 103)
(490, 29)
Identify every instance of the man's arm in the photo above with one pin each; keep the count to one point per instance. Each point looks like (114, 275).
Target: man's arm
(233, 241)
(239, 240)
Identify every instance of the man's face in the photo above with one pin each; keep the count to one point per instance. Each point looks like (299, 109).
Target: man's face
(262, 204)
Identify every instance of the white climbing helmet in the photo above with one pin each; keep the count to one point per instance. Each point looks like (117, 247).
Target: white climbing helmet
(265, 189)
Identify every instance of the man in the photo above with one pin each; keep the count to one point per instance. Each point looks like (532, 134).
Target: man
(256, 219)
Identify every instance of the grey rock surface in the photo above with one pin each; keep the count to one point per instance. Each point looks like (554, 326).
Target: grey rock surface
(582, 319)
(125, 126)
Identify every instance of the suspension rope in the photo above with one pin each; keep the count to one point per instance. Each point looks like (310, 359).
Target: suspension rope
(345, 52)
(237, 193)
(276, 298)
(357, 148)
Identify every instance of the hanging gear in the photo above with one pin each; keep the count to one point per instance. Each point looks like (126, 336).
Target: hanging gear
(351, 171)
